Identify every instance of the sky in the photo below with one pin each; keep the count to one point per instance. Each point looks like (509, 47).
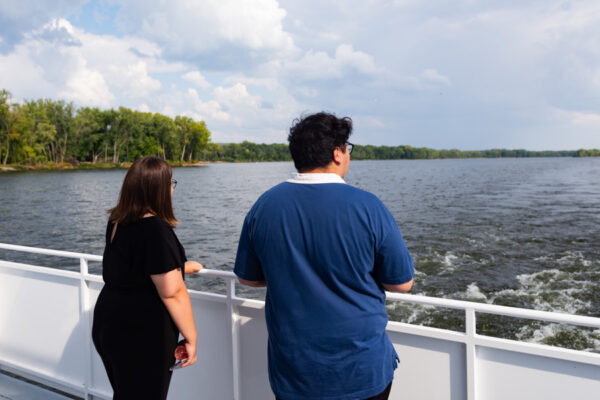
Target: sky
(461, 74)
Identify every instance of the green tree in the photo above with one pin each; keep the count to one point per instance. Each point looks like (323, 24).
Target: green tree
(60, 114)
(5, 115)
(89, 128)
(38, 131)
(193, 137)
(164, 131)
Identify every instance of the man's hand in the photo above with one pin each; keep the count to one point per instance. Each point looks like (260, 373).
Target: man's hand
(252, 283)
(400, 288)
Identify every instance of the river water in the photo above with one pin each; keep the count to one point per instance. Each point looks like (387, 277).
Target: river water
(516, 232)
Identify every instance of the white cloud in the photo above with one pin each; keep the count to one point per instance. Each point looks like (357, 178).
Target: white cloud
(321, 66)
(188, 29)
(345, 56)
(93, 70)
(133, 79)
(237, 96)
(197, 79)
(87, 87)
(433, 76)
(205, 110)
(579, 119)
(18, 17)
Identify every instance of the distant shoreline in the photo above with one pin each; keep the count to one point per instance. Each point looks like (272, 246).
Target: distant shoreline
(88, 166)
(83, 166)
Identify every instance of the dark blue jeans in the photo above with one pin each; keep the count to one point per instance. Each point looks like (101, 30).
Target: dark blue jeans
(381, 396)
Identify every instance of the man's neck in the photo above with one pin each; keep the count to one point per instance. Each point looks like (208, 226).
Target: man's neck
(328, 169)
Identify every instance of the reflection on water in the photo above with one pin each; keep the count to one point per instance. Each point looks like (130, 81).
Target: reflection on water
(517, 232)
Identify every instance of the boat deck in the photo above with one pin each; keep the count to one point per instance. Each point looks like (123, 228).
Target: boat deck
(16, 389)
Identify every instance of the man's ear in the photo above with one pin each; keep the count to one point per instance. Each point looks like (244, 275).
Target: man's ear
(337, 156)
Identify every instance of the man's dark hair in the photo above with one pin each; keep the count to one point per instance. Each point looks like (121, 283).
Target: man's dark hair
(314, 137)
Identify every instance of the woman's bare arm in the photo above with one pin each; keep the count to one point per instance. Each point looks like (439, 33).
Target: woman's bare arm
(174, 294)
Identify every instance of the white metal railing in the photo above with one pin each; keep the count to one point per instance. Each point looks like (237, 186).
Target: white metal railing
(469, 338)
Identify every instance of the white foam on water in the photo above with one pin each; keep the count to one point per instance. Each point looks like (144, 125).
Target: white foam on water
(539, 335)
(551, 290)
(472, 293)
(447, 262)
(494, 237)
(449, 259)
(566, 258)
(419, 274)
(571, 257)
(556, 290)
(417, 310)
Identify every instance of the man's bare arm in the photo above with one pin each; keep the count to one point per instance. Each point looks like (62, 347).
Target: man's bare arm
(400, 288)
(252, 283)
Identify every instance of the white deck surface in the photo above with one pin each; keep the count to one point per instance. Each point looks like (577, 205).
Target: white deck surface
(15, 389)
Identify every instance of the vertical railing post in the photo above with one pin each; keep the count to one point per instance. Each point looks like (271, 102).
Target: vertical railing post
(471, 356)
(233, 327)
(85, 321)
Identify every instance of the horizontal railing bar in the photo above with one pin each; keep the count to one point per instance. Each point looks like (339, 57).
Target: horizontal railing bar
(537, 349)
(427, 331)
(495, 343)
(59, 253)
(42, 270)
(216, 273)
(416, 299)
(93, 278)
(549, 316)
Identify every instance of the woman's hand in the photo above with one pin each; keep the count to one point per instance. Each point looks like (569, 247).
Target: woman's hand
(192, 267)
(190, 348)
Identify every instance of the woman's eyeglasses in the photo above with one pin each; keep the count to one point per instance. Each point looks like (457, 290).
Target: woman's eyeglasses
(173, 183)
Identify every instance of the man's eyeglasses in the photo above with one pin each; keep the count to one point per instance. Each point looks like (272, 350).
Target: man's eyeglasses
(349, 147)
(173, 183)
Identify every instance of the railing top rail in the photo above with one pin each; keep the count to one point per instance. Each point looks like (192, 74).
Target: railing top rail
(59, 253)
(514, 312)
(549, 316)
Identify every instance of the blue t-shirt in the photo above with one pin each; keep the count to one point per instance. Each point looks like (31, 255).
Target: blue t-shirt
(323, 250)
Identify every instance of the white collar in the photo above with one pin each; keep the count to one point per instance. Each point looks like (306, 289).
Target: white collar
(316, 178)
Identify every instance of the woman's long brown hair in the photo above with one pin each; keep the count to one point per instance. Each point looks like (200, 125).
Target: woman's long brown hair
(146, 189)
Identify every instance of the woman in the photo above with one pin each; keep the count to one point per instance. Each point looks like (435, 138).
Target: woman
(144, 303)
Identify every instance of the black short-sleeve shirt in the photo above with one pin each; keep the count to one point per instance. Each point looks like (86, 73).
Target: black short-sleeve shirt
(140, 249)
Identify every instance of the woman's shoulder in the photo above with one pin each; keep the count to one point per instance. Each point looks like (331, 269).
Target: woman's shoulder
(144, 227)
(154, 225)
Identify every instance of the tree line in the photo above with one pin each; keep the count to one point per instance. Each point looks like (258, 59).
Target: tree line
(248, 151)
(47, 131)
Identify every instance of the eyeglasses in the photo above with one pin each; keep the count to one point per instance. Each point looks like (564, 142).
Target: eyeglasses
(349, 147)
(173, 183)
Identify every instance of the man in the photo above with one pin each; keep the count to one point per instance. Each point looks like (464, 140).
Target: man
(325, 251)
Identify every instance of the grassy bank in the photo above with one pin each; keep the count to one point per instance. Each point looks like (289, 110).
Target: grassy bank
(83, 166)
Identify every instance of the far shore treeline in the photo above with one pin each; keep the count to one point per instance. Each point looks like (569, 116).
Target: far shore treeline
(49, 133)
